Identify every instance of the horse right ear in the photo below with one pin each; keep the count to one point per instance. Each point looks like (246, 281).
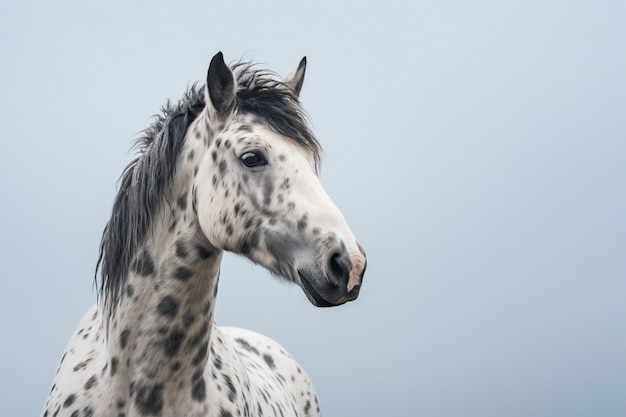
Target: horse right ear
(296, 78)
(220, 85)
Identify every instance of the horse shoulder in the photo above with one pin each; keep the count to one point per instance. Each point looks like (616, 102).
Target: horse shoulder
(81, 369)
(273, 372)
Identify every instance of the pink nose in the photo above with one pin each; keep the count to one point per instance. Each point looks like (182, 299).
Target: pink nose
(346, 269)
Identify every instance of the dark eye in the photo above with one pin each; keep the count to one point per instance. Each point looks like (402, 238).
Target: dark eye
(253, 159)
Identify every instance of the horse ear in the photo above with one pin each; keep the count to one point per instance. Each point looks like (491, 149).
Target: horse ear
(220, 85)
(296, 78)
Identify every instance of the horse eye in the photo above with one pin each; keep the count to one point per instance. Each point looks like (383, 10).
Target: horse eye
(253, 159)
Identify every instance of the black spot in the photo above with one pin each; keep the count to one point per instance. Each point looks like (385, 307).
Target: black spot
(191, 155)
(181, 249)
(247, 346)
(201, 355)
(149, 399)
(69, 400)
(130, 290)
(227, 144)
(82, 365)
(182, 201)
(214, 155)
(302, 223)
(113, 365)
(120, 403)
(168, 306)
(194, 196)
(232, 391)
(269, 360)
(91, 382)
(286, 184)
(144, 265)
(183, 274)
(124, 338)
(203, 252)
(87, 412)
(251, 240)
(225, 413)
(198, 390)
(281, 157)
(222, 166)
(229, 230)
(75, 413)
(217, 361)
(173, 342)
(264, 396)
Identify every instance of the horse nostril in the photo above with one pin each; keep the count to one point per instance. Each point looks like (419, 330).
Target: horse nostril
(339, 267)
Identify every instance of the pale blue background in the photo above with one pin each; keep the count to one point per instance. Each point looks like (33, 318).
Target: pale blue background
(478, 150)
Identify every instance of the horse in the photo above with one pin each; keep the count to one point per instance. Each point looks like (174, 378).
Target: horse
(233, 166)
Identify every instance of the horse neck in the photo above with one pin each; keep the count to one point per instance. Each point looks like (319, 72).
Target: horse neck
(159, 332)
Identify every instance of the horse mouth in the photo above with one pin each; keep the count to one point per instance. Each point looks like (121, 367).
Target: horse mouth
(317, 300)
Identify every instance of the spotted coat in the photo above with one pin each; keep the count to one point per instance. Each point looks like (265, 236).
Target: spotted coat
(220, 172)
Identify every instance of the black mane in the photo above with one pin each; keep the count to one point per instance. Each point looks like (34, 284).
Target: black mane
(145, 180)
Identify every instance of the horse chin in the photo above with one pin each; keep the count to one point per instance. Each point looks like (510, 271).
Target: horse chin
(312, 292)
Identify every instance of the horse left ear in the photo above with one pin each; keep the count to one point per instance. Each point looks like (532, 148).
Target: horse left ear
(220, 85)
(296, 78)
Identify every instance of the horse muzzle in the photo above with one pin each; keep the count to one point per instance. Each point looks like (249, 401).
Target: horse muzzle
(337, 283)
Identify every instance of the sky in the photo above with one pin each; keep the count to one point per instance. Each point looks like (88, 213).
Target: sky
(476, 148)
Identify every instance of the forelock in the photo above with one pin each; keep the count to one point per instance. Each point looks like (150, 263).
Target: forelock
(259, 92)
